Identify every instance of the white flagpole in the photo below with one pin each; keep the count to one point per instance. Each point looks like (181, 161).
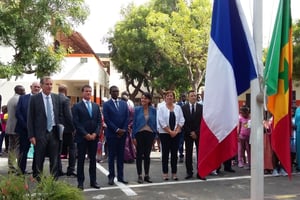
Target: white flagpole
(257, 150)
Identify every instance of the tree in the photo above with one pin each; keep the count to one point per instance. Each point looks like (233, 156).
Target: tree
(296, 50)
(25, 26)
(160, 44)
(183, 37)
(137, 57)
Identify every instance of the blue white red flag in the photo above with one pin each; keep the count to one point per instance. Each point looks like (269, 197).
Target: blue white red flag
(230, 68)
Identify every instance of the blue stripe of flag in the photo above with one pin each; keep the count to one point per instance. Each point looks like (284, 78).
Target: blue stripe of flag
(229, 35)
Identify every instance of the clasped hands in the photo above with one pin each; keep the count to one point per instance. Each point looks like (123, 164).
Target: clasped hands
(90, 136)
(120, 132)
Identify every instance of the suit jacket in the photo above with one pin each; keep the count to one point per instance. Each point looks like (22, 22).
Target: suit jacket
(83, 122)
(66, 118)
(11, 111)
(21, 114)
(192, 122)
(139, 120)
(115, 118)
(37, 118)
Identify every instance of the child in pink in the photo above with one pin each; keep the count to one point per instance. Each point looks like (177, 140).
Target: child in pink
(244, 137)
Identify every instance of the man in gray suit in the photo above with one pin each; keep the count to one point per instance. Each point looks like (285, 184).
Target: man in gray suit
(42, 120)
(13, 147)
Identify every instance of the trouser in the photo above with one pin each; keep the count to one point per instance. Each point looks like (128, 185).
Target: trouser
(2, 135)
(24, 148)
(46, 145)
(144, 141)
(189, 144)
(70, 149)
(169, 144)
(13, 152)
(82, 148)
(116, 147)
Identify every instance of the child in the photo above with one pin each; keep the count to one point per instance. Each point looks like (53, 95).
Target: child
(244, 137)
(3, 119)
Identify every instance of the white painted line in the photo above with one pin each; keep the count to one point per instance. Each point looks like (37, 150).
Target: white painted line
(127, 190)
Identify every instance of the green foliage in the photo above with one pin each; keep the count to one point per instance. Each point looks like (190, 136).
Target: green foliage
(296, 50)
(183, 37)
(13, 188)
(48, 188)
(25, 27)
(162, 45)
(17, 187)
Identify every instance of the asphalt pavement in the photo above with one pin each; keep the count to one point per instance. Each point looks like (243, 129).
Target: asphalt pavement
(224, 186)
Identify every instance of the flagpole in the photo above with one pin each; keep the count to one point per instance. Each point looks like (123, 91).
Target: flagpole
(257, 150)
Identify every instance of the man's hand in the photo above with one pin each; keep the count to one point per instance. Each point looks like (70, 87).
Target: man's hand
(193, 135)
(121, 132)
(32, 141)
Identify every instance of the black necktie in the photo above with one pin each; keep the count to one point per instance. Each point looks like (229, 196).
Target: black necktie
(193, 109)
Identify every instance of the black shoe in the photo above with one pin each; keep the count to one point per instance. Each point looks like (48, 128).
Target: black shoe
(189, 176)
(60, 173)
(80, 186)
(110, 181)
(201, 178)
(181, 160)
(229, 170)
(123, 181)
(140, 179)
(147, 179)
(95, 185)
(71, 174)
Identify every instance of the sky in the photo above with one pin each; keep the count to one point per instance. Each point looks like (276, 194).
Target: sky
(105, 13)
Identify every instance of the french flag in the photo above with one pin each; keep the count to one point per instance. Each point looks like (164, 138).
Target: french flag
(231, 65)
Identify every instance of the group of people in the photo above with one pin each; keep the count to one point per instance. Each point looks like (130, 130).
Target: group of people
(48, 122)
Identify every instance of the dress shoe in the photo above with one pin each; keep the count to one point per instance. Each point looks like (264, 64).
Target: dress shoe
(80, 186)
(147, 179)
(110, 181)
(140, 179)
(60, 173)
(123, 181)
(71, 174)
(189, 176)
(229, 170)
(201, 178)
(95, 185)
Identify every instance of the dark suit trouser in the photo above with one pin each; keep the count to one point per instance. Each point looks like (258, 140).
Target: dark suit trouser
(116, 150)
(181, 142)
(68, 143)
(189, 144)
(47, 145)
(169, 144)
(82, 148)
(24, 148)
(144, 141)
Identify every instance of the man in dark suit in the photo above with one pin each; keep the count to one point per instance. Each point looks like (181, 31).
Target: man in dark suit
(21, 127)
(68, 134)
(192, 113)
(87, 122)
(42, 120)
(116, 118)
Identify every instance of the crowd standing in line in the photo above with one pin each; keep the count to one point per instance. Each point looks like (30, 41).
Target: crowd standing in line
(34, 118)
